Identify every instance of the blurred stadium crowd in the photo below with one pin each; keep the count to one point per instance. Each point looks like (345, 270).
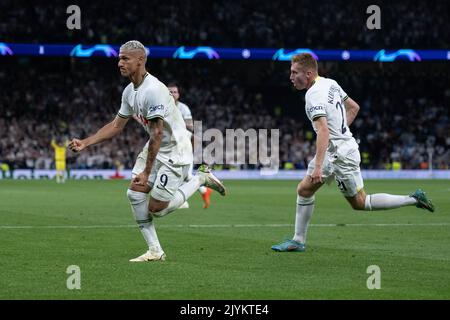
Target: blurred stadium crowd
(288, 23)
(402, 119)
(404, 116)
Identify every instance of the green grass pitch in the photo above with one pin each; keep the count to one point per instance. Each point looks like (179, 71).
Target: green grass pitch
(222, 252)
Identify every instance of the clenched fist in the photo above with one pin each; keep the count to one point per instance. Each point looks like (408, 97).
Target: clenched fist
(76, 145)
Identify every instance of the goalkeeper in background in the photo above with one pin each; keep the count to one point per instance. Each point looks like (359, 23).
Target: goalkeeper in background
(60, 160)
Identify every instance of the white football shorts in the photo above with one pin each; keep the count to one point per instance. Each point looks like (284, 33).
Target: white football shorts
(342, 163)
(164, 179)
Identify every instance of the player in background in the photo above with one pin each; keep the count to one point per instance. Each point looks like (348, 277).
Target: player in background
(331, 112)
(187, 116)
(162, 167)
(60, 160)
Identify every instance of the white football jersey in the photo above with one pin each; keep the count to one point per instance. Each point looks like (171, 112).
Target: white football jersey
(152, 100)
(326, 98)
(185, 111)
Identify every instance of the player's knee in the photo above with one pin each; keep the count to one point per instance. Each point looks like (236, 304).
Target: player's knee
(302, 192)
(358, 203)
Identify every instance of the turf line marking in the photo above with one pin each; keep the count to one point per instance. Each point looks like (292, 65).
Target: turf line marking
(231, 226)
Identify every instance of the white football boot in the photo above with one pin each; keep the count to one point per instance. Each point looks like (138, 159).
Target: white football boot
(150, 255)
(211, 180)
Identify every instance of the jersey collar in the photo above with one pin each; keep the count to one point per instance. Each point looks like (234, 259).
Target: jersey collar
(143, 79)
(314, 82)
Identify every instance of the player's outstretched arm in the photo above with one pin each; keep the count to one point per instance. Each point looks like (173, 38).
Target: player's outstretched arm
(352, 109)
(107, 132)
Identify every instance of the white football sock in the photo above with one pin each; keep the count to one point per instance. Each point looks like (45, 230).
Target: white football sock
(384, 201)
(202, 189)
(305, 208)
(184, 192)
(189, 188)
(139, 206)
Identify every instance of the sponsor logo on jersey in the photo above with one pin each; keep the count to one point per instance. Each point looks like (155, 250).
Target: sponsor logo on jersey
(315, 108)
(155, 108)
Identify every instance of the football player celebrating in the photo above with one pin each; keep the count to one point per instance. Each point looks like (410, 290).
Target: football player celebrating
(331, 112)
(162, 167)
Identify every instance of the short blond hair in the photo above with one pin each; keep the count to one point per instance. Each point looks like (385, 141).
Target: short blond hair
(306, 61)
(135, 45)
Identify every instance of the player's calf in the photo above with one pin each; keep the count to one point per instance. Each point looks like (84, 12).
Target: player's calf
(158, 208)
(358, 202)
(384, 201)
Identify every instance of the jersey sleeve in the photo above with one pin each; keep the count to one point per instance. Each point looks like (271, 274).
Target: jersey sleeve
(125, 109)
(156, 102)
(344, 96)
(315, 107)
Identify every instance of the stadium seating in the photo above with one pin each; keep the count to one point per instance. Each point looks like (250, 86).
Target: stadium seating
(58, 97)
